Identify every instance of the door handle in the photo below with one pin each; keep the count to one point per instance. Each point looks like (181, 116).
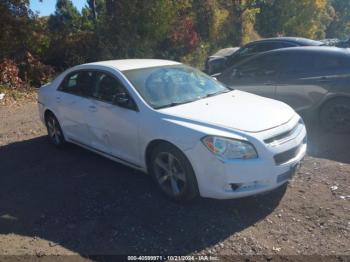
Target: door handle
(269, 83)
(92, 108)
(58, 99)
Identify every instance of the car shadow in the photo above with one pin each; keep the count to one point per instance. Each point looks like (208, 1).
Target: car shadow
(91, 205)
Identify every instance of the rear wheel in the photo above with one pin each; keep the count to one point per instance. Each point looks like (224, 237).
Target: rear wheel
(335, 115)
(173, 173)
(54, 131)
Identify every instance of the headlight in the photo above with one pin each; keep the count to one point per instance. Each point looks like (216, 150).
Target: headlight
(227, 148)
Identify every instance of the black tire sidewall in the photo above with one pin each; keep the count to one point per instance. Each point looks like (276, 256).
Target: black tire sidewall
(190, 191)
(62, 140)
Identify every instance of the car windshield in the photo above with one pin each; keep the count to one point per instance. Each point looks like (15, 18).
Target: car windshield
(167, 86)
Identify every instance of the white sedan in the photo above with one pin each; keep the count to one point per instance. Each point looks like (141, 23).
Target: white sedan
(193, 135)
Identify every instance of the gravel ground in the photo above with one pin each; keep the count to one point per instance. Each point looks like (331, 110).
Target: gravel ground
(59, 202)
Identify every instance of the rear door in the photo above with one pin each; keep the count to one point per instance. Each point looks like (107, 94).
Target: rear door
(306, 80)
(71, 100)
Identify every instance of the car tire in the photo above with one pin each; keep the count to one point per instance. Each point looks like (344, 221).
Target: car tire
(335, 115)
(54, 131)
(173, 173)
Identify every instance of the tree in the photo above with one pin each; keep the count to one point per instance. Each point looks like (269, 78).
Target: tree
(15, 25)
(307, 18)
(340, 26)
(69, 44)
(66, 18)
(135, 27)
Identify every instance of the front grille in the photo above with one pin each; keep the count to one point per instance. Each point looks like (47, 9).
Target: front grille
(282, 136)
(287, 155)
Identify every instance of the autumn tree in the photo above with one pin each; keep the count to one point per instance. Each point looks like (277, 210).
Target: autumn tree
(340, 26)
(307, 18)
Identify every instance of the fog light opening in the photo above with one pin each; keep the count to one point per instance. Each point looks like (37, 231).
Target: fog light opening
(235, 186)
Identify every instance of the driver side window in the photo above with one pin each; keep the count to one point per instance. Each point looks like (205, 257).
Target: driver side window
(109, 89)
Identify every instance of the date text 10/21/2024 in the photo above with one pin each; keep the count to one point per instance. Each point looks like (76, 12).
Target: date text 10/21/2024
(173, 258)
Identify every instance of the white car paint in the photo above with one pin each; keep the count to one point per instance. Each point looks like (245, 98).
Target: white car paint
(123, 135)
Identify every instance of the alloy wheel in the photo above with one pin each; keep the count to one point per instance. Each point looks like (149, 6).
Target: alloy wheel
(170, 174)
(54, 130)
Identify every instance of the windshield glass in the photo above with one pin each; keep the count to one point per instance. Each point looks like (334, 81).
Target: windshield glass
(167, 86)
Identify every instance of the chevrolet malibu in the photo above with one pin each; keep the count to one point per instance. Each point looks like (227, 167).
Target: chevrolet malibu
(192, 134)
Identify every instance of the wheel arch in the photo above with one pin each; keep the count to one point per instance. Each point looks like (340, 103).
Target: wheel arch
(48, 112)
(328, 99)
(152, 145)
(149, 149)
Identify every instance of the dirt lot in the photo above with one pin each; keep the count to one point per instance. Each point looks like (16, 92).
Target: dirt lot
(75, 202)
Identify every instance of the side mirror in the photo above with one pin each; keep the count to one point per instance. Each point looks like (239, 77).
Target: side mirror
(122, 99)
(216, 65)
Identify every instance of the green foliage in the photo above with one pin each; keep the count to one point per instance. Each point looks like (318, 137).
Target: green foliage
(306, 18)
(184, 30)
(15, 25)
(340, 26)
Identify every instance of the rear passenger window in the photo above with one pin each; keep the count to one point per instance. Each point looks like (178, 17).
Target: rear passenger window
(315, 63)
(72, 82)
(78, 83)
(330, 63)
(300, 63)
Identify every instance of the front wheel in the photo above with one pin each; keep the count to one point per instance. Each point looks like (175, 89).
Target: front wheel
(54, 131)
(335, 115)
(173, 173)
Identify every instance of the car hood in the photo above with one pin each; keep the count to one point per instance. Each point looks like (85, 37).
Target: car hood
(235, 110)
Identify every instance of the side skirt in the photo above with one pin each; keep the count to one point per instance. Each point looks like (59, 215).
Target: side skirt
(107, 155)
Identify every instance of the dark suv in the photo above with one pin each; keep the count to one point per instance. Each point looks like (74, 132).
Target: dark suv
(315, 81)
(216, 64)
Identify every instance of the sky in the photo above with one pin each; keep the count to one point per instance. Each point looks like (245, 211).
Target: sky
(47, 7)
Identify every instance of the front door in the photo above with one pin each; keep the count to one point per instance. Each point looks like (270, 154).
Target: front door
(113, 128)
(257, 76)
(306, 80)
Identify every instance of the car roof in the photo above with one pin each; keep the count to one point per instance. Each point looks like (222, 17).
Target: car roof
(297, 40)
(130, 64)
(312, 49)
(301, 49)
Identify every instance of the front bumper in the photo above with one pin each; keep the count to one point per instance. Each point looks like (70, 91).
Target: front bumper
(240, 178)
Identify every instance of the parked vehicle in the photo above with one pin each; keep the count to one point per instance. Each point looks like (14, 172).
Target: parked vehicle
(337, 42)
(218, 64)
(315, 81)
(188, 131)
(211, 62)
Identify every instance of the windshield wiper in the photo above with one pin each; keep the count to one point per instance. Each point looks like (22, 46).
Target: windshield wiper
(177, 103)
(192, 100)
(216, 93)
